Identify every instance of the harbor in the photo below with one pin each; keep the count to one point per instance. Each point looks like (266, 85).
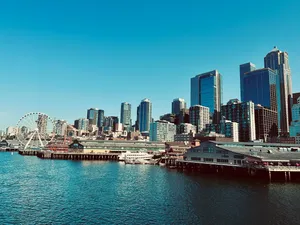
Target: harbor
(267, 161)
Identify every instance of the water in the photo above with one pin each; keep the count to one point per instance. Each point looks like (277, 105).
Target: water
(35, 191)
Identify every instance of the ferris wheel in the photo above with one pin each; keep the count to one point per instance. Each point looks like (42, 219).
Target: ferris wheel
(35, 130)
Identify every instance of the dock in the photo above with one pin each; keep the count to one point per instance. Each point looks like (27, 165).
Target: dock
(77, 156)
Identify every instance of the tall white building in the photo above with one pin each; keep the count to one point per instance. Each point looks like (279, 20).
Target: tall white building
(162, 130)
(199, 116)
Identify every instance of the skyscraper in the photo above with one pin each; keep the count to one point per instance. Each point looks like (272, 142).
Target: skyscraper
(206, 90)
(245, 68)
(177, 105)
(100, 122)
(126, 115)
(279, 61)
(145, 115)
(243, 114)
(199, 117)
(92, 116)
(260, 87)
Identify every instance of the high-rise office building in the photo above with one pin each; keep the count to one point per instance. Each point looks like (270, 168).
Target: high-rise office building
(259, 86)
(81, 124)
(177, 105)
(279, 61)
(162, 130)
(126, 115)
(137, 122)
(92, 116)
(100, 122)
(206, 90)
(245, 68)
(185, 128)
(199, 116)
(266, 123)
(145, 115)
(243, 114)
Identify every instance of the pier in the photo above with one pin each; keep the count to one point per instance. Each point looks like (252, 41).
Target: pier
(77, 156)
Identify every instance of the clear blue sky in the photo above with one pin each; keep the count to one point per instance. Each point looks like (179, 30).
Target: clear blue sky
(62, 57)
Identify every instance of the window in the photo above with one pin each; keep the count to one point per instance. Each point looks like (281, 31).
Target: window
(196, 158)
(222, 160)
(238, 156)
(208, 159)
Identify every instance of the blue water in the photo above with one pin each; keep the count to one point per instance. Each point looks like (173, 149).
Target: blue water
(35, 191)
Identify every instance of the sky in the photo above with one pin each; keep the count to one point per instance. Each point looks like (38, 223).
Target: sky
(62, 57)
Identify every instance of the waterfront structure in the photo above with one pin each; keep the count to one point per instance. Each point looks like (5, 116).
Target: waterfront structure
(245, 68)
(295, 125)
(126, 115)
(185, 128)
(81, 124)
(100, 122)
(244, 158)
(243, 114)
(92, 116)
(162, 130)
(266, 123)
(259, 86)
(199, 116)
(178, 104)
(145, 115)
(206, 90)
(279, 61)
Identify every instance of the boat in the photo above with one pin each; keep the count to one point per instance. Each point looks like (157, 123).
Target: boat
(134, 156)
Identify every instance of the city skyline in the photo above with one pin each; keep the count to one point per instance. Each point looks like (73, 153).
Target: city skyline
(44, 62)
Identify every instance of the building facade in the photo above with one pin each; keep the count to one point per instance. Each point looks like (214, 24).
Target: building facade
(295, 125)
(243, 114)
(145, 115)
(259, 86)
(279, 61)
(185, 128)
(245, 68)
(206, 90)
(266, 123)
(81, 124)
(126, 115)
(92, 116)
(199, 117)
(61, 127)
(172, 118)
(100, 122)
(178, 104)
(226, 127)
(162, 131)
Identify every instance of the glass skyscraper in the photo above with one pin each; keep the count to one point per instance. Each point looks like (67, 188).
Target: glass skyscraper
(259, 86)
(100, 122)
(145, 115)
(92, 116)
(206, 90)
(279, 61)
(245, 68)
(126, 115)
(177, 105)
